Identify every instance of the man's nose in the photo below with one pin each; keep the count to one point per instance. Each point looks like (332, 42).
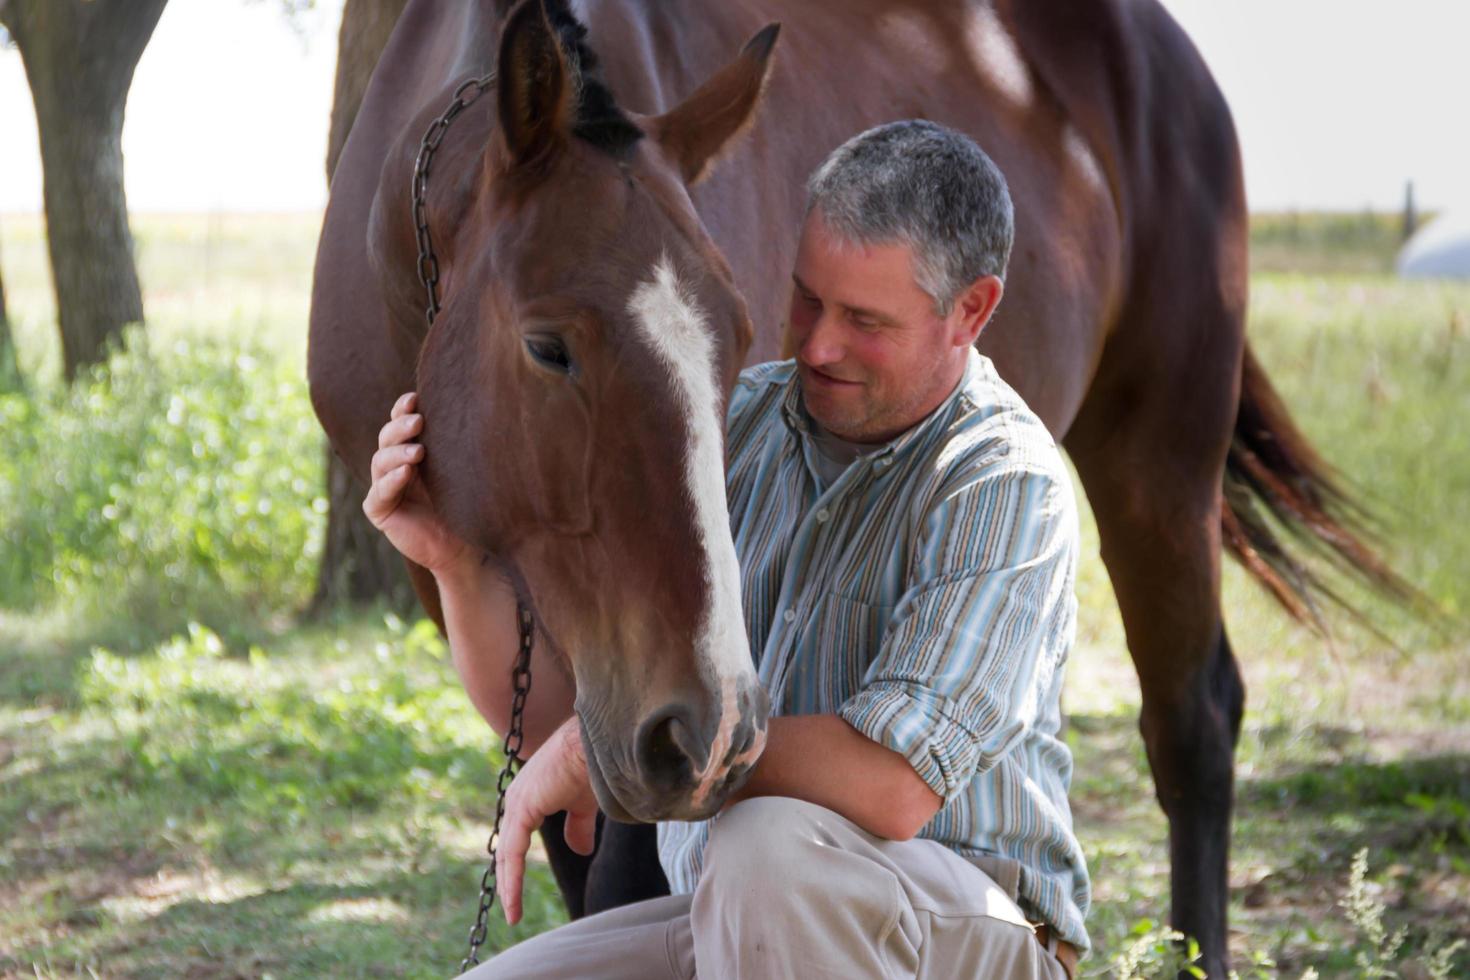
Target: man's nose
(823, 343)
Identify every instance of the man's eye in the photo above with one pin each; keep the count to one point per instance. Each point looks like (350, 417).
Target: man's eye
(549, 352)
(865, 322)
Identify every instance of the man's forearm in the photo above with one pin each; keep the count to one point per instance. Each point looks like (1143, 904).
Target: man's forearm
(484, 636)
(824, 760)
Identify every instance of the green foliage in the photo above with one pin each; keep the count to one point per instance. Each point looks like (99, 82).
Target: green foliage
(1155, 951)
(1375, 952)
(1379, 948)
(1379, 952)
(181, 475)
(274, 749)
(336, 787)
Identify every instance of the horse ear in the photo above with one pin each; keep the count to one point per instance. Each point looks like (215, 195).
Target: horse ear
(533, 91)
(696, 131)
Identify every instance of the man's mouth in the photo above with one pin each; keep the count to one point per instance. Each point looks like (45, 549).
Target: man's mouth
(820, 377)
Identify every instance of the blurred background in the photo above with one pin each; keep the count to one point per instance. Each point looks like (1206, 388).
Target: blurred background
(231, 746)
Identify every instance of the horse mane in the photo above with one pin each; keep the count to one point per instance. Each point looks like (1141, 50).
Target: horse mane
(600, 121)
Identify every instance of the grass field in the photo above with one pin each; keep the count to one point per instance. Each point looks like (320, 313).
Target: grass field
(193, 782)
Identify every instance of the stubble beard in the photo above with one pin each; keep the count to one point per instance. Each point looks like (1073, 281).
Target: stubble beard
(877, 419)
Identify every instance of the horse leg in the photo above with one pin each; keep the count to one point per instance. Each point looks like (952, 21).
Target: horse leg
(1159, 523)
(625, 868)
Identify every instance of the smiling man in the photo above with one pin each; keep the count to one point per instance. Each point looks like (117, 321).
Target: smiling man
(907, 537)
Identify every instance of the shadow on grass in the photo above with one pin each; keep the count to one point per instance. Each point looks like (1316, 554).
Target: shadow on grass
(1348, 785)
(398, 924)
(212, 864)
(41, 649)
(1415, 811)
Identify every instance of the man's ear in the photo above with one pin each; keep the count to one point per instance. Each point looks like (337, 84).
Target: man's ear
(533, 92)
(696, 131)
(974, 307)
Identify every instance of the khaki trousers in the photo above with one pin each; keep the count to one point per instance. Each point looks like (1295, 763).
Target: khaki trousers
(793, 890)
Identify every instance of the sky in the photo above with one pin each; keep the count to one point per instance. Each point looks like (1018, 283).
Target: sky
(1337, 102)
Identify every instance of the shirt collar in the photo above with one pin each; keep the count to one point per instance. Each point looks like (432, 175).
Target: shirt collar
(797, 420)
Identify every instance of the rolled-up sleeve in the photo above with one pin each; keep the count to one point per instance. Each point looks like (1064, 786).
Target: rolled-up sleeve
(983, 625)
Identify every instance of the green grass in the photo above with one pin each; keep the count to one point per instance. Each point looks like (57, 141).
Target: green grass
(1347, 242)
(195, 782)
(311, 806)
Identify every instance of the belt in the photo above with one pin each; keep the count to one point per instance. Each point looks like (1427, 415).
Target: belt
(1065, 952)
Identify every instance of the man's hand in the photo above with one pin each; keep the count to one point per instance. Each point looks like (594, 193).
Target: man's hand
(397, 503)
(554, 779)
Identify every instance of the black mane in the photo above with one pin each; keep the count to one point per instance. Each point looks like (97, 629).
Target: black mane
(599, 120)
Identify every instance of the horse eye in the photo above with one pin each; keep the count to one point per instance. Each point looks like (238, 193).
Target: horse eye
(550, 352)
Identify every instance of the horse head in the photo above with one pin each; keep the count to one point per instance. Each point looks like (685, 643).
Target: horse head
(574, 387)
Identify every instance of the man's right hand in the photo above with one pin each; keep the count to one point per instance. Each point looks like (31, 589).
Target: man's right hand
(397, 503)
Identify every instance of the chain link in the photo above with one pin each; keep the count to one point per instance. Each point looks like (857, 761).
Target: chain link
(521, 679)
(428, 266)
(428, 269)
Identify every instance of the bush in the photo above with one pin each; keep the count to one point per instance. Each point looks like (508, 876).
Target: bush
(189, 474)
(277, 749)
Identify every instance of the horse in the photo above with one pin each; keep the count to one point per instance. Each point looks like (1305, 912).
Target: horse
(615, 226)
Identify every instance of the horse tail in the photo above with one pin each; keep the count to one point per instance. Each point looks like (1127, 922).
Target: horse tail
(1275, 479)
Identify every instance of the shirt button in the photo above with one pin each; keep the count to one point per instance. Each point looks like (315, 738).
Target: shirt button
(822, 516)
(789, 615)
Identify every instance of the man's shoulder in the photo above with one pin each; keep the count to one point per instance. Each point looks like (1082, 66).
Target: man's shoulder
(995, 466)
(766, 376)
(759, 389)
(993, 430)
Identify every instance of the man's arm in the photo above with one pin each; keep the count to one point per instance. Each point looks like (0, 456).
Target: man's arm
(954, 685)
(824, 760)
(479, 605)
(484, 638)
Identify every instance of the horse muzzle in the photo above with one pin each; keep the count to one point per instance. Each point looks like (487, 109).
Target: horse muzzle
(682, 760)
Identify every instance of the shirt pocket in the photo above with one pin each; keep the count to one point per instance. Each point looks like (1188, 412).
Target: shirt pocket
(841, 639)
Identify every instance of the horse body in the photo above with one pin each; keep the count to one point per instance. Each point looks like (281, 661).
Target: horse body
(843, 68)
(1122, 326)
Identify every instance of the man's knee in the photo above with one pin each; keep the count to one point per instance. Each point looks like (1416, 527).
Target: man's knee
(779, 873)
(773, 846)
(767, 826)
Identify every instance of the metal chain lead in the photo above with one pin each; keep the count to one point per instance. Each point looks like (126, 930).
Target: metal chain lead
(428, 268)
(521, 678)
(464, 96)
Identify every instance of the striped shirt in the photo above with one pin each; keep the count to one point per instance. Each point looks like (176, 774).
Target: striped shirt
(927, 597)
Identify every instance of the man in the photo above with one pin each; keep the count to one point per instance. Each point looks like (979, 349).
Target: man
(907, 536)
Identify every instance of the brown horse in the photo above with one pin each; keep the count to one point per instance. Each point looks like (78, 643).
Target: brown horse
(572, 385)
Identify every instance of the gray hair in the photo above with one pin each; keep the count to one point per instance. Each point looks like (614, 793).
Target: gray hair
(928, 187)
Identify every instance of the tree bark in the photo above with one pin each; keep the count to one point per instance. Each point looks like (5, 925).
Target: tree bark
(79, 57)
(10, 377)
(358, 563)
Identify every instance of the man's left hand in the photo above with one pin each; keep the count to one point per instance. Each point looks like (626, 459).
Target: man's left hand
(554, 779)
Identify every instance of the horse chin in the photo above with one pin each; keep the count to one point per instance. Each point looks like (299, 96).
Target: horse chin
(607, 800)
(626, 803)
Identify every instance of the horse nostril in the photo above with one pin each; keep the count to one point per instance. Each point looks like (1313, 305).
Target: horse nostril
(668, 749)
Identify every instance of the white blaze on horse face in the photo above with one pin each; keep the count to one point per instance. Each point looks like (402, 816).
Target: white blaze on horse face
(678, 332)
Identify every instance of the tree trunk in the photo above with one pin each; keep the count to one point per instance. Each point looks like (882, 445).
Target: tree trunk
(10, 378)
(79, 57)
(358, 563)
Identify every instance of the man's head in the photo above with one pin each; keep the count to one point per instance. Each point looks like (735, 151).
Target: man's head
(907, 234)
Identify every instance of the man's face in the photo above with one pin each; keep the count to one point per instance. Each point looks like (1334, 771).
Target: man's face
(873, 356)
